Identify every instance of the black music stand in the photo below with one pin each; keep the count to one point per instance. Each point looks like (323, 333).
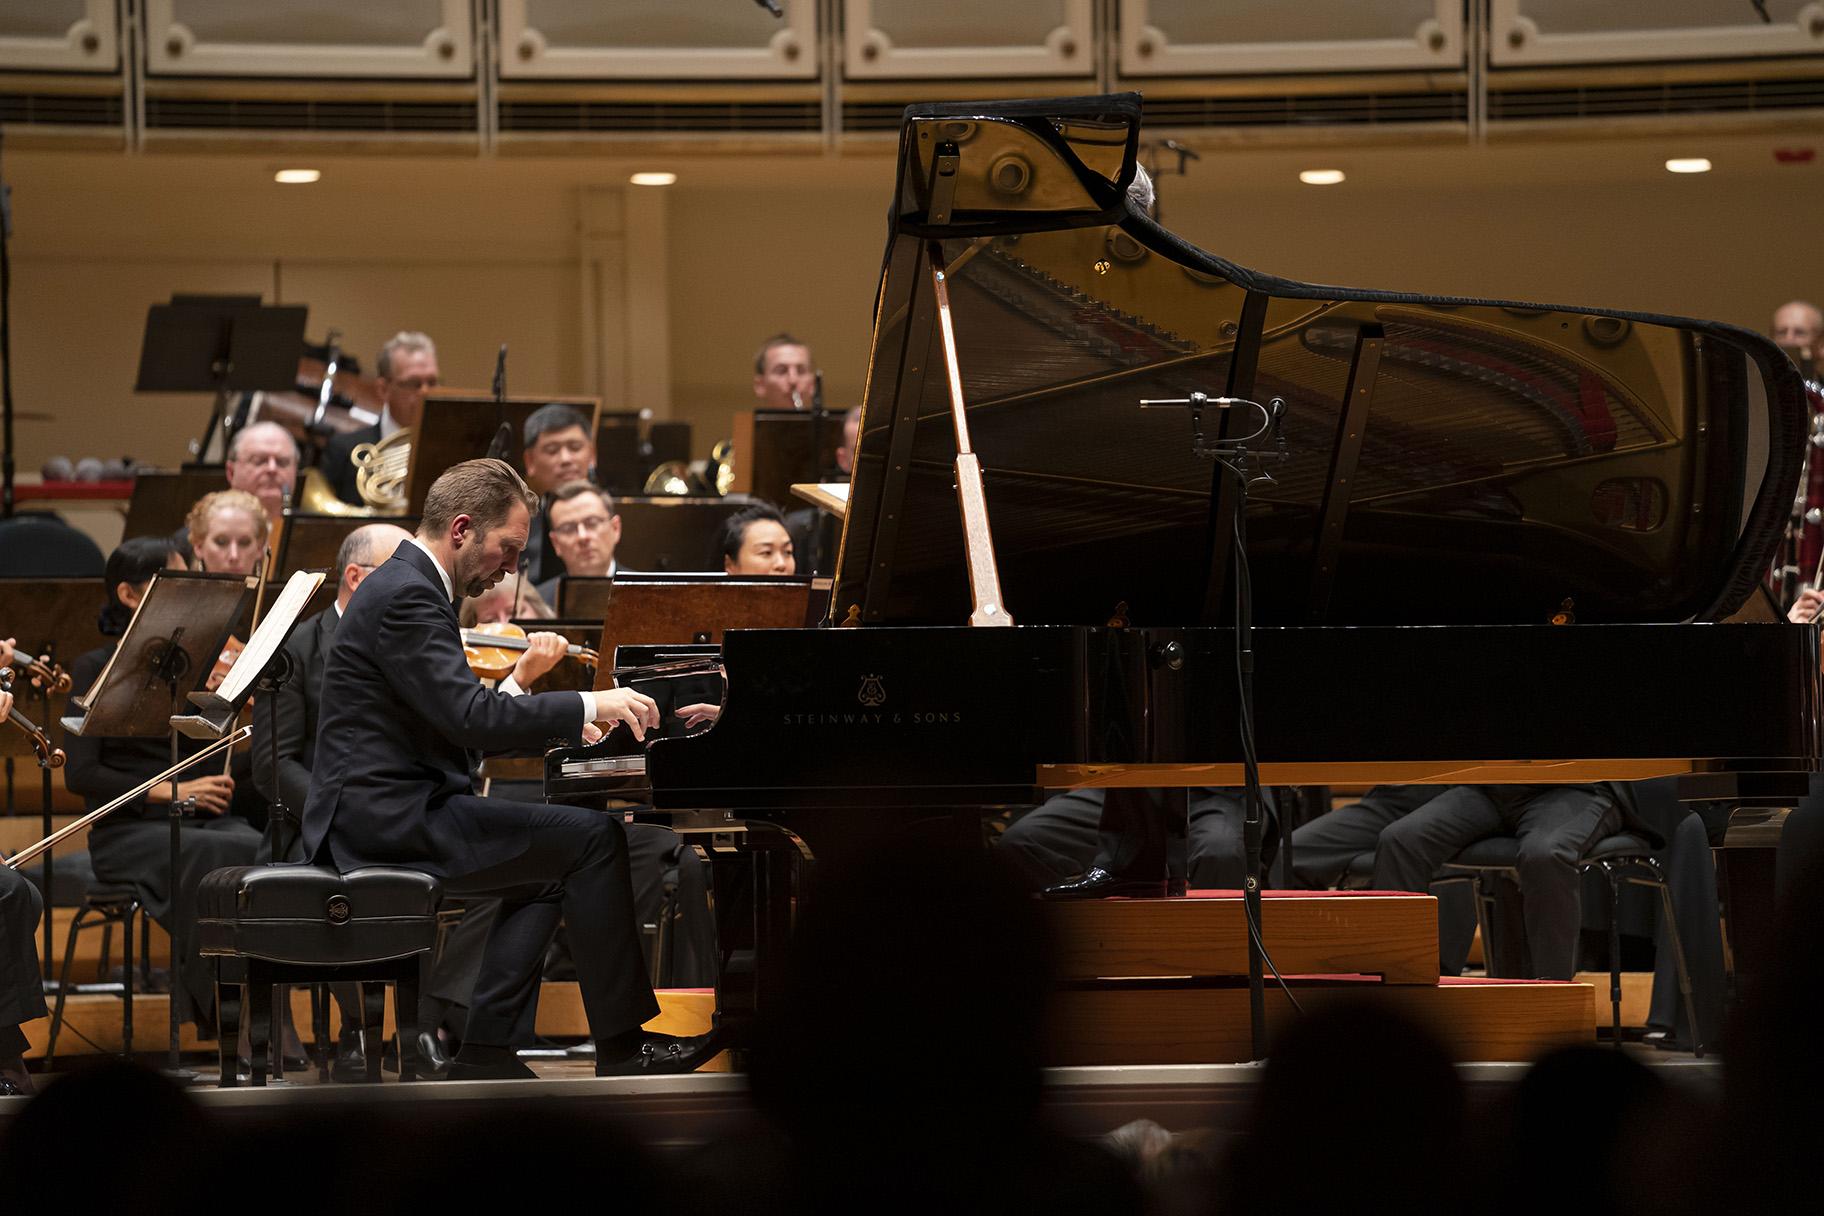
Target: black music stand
(171, 645)
(263, 664)
(220, 345)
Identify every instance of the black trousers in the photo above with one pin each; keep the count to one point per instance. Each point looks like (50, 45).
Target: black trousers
(138, 851)
(1323, 849)
(21, 983)
(1067, 833)
(1555, 825)
(574, 869)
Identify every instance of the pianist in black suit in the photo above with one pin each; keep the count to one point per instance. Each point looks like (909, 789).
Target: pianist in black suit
(406, 367)
(395, 751)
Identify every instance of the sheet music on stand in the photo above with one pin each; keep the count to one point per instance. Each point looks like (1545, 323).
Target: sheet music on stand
(218, 708)
(175, 637)
(831, 496)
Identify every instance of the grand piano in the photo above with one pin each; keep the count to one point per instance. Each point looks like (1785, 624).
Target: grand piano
(1485, 541)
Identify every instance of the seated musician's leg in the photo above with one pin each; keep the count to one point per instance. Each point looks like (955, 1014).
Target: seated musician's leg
(1055, 840)
(1216, 860)
(1801, 849)
(21, 989)
(1412, 848)
(1556, 826)
(138, 851)
(1323, 848)
(574, 866)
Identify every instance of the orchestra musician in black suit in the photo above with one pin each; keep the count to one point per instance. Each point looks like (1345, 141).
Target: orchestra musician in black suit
(583, 531)
(21, 992)
(392, 783)
(1060, 839)
(407, 366)
(291, 715)
(558, 450)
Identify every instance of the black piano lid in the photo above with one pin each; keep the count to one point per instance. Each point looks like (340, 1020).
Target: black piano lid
(1507, 456)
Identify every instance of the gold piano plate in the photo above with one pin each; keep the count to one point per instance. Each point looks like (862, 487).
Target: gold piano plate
(1369, 772)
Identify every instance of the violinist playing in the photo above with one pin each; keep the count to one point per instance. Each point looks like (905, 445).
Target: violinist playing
(21, 990)
(228, 532)
(133, 844)
(402, 719)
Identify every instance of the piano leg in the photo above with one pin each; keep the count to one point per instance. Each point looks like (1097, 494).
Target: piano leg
(753, 883)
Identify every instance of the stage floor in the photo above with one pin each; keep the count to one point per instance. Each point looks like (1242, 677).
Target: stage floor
(678, 1113)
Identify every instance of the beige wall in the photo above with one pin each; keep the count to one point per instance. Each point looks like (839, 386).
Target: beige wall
(480, 252)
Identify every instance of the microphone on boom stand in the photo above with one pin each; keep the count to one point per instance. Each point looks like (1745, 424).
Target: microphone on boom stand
(503, 434)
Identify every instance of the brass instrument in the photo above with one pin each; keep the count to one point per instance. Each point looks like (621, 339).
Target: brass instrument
(671, 478)
(677, 478)
(380, 472)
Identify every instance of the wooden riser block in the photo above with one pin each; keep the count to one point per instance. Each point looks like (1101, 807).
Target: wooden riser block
(560, 1015)
(1390, 935)
(1141, 1024)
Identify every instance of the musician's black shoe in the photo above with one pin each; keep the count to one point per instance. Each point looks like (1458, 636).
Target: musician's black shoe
(1098, 883)
(433, 1060)
(476, 1062)
(15, 1081)
(350, 1064)
(646, 1054)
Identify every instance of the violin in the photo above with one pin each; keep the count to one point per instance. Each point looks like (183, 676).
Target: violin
(494, 649)
(48, 756)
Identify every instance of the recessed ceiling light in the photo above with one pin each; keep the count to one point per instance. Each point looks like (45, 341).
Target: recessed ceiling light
(653, 179)
(1321, 177)
(1688, 164)
(296, 177)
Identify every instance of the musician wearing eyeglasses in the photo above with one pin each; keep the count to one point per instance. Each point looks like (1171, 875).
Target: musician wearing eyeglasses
(406, 368)
(584, 531)
(263, 461)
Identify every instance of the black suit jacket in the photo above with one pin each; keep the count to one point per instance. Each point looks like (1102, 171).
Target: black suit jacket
(401, 726)
(540, 560)
(335, 463)
(292, 713)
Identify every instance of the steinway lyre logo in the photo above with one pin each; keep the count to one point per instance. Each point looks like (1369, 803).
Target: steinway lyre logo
(873, 691)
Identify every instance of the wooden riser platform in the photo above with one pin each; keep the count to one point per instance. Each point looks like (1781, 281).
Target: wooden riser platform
(1394, 936)
(1143, 1024)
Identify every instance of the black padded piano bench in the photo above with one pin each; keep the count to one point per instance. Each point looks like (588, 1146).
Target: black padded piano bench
(301, 924)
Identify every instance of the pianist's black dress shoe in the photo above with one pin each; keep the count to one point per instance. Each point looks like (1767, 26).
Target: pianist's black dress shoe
(649, 1054)
(476, 1062)
(433, 1058)
(1098, 883)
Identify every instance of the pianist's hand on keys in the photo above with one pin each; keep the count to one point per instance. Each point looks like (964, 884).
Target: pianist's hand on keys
(615, 705)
